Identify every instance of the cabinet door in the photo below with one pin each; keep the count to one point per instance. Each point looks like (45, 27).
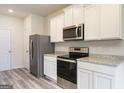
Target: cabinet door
(68, 17)
(53, 30)
(78, 14)
(92, 22)
(53, 70)
(102, 81)
(84, 80)
(59, 29)
(110, 22)
(46, 67)
(50, 67)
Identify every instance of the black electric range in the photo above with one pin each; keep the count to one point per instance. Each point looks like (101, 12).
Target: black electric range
(67, 67)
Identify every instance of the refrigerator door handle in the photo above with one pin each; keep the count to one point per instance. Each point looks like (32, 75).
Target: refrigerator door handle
(30, 49)
(32, 54)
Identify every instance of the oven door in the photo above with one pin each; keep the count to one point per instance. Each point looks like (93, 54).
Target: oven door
(67, 69)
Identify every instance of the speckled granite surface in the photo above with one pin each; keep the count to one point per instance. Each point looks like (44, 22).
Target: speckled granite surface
(57, 53)
(109, 60)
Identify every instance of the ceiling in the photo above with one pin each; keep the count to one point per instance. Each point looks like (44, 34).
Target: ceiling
(22, 10)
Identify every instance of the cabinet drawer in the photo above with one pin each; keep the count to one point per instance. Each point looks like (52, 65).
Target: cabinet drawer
(52, 59)
(97, 68)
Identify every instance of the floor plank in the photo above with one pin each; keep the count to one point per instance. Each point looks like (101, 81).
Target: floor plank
(22, 79)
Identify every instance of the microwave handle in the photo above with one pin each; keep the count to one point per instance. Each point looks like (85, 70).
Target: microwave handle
(77, 32)
(82, 30)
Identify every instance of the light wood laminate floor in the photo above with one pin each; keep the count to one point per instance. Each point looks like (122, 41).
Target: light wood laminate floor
(22, 79)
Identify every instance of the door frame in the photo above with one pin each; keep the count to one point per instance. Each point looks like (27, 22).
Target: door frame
(9, 29)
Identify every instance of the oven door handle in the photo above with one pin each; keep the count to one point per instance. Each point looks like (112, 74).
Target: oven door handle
(66, 60)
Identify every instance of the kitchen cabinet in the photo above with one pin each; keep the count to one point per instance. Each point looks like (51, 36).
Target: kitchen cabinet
(53, 30)
(84, 79)
(89, 79)
(50, 67)
(103, 22)
(98, 76)
(92, 22)
(102, 81)
(56, 28)
(78, 14)
(110, 18)
(60, 25)
(73, 15)
(68, 15)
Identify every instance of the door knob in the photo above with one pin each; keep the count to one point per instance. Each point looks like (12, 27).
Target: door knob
(27, 51)
(10, 51)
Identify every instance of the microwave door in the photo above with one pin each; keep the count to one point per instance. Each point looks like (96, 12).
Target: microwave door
(70, 33)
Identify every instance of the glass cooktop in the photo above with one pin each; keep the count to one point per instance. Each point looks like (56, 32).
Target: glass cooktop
(73, 56)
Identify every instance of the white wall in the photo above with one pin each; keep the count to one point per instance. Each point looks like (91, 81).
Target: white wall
(15, 25)
(38, 25)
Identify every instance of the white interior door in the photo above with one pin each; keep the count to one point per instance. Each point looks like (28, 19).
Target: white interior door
(5, 57)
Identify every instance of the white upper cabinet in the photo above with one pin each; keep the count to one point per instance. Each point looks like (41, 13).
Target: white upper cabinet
(53, 30)
(103, 22)
(74, 15)
(110, 15)
(60, 25)
(68, 17)
(92, 22)
(56, 28)
(78, 14)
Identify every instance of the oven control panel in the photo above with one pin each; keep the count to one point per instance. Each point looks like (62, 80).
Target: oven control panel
(79, 49)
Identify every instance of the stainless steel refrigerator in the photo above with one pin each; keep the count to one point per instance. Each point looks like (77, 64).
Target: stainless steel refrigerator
(39, 45)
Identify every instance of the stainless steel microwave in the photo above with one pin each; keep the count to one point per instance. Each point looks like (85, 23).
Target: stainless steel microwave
(73, 32)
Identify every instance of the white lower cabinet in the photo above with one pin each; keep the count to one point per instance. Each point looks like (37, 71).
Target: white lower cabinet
(93, 80)
(53, 70)
(84, 79)
(50, 67)
(102, 81)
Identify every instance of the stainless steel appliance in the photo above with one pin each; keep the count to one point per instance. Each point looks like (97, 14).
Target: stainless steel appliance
(39, 45)
(67, 67)
(73, 32)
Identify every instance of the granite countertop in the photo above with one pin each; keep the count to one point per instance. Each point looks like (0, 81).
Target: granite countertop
(57, 53)
(109, 60)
